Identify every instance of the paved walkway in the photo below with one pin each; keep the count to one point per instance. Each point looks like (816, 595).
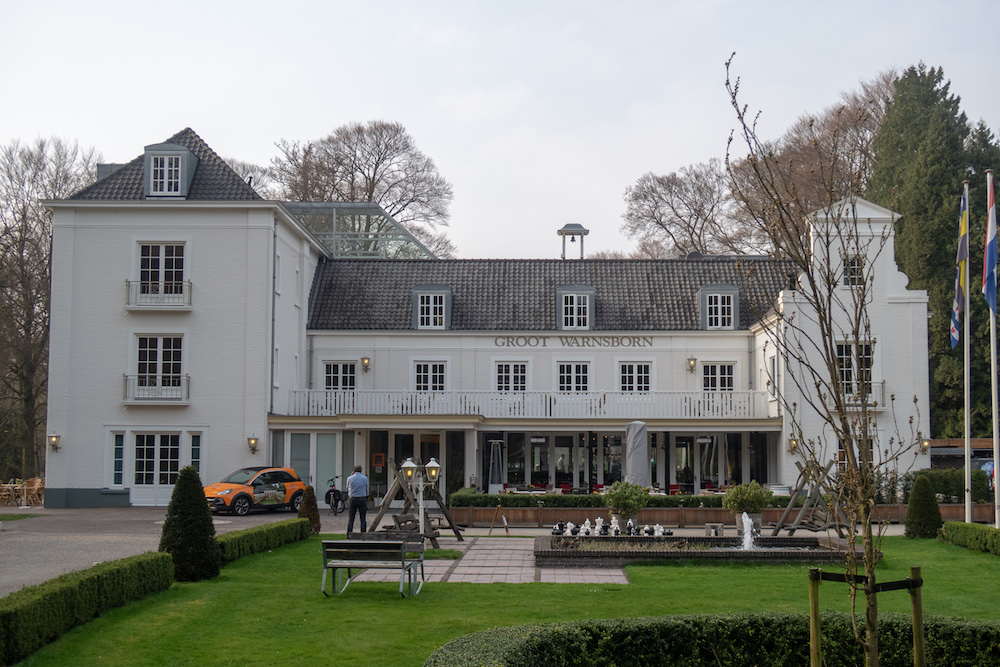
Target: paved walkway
(509, 560)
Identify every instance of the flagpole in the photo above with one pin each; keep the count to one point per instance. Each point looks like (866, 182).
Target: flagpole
(967, 216)
(992, 230)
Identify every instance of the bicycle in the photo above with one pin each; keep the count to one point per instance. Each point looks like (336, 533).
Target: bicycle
(335, 498)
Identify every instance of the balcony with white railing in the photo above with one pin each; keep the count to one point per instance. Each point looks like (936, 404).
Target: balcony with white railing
(158, 295)
(156, 389)
(874, 397)
(710, 405)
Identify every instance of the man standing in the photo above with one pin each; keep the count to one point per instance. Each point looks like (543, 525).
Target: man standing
(357, 491)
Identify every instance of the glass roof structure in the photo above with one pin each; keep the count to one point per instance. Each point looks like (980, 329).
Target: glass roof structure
(358, 230)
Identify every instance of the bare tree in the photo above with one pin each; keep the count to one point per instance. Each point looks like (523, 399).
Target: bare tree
(646, 249)
(822, 329)
(822, 157)
(688, 210)
(373, 162)
(47, 169)
(260, 178)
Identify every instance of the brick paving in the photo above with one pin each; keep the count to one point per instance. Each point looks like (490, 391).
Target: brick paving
(509, 560)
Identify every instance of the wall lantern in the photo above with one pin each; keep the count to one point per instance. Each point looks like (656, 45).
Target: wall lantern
(692, 363)
(53, 442)
(793, 446)
(432, 468)
(925, 446)
(366, 363)
(252, 443)
(409, 469)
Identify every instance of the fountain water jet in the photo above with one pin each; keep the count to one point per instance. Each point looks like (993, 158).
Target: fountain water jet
(748, 529)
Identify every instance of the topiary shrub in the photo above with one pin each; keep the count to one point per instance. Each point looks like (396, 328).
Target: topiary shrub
(310, 510)
(923, 516)
(750, 498)
(626, 499)
(188, 533)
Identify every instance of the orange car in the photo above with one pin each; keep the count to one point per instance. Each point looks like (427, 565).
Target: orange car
(260, 487)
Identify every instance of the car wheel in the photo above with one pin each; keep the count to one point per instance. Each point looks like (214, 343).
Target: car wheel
(296, 502)
(240, 506)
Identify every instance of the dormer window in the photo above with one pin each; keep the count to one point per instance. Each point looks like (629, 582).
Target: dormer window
(575, 307)
(431, 311)
(166, 178)
(719, 306)
(169, 170)
(720, 311)
(431, 307)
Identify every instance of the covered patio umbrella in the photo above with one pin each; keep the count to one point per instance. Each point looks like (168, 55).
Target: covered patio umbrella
(636, 454)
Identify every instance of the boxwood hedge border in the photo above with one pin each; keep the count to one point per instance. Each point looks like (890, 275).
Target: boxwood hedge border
(974, 536)
(585, 500)
(36, 615)
(763, 640)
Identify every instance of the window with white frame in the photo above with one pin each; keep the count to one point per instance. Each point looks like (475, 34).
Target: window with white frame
(166, 177)
(719, 311)
(854, 366)
(717, 377)
(118, 460)
(431, 311)
(854, 271)
(161, 268)
(634, 377)
(157, 458)
(772, 380)
(159, 361)
(574, 376)
(196, 451)
(430, 376)
(339, 376)
(575, 311)
(512, 376)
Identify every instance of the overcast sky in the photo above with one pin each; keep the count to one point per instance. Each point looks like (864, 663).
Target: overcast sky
(539, 113)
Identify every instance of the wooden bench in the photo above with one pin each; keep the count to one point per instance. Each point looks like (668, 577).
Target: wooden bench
(339, 555)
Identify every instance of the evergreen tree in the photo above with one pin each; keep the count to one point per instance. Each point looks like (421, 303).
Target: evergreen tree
(925, 148)
(310, 510)
(923, 515)
(188, 533)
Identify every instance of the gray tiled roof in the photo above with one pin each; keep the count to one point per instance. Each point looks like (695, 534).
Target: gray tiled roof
(520, 295)
(214, 180)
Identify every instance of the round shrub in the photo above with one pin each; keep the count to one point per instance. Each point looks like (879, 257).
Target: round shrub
(310, 510)
(626, 499)
(923, 516)
(750, 498)
(188, 533)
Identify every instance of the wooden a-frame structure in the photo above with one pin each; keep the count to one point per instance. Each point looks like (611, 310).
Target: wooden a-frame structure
(816, 514)
(411, 502)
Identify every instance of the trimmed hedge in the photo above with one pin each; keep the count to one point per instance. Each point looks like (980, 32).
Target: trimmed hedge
(974, 536)
(37, 615)
(239, 543)
(764, 640)
(949, 483)
(585, 500)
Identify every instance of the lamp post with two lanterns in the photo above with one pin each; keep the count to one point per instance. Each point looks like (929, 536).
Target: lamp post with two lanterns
(419, 473)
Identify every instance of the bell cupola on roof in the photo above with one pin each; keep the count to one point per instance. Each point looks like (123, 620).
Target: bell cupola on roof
(572, 230)
(167, 171)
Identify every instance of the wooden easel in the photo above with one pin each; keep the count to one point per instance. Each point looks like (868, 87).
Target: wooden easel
(498, 511)
(815, 514)
(410, 501)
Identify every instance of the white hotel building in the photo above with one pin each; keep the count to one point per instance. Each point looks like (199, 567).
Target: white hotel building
(193, 322)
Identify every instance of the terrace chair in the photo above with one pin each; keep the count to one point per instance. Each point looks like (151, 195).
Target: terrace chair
(33, 491)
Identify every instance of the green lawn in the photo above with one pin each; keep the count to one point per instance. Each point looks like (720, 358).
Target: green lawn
(267, 609)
